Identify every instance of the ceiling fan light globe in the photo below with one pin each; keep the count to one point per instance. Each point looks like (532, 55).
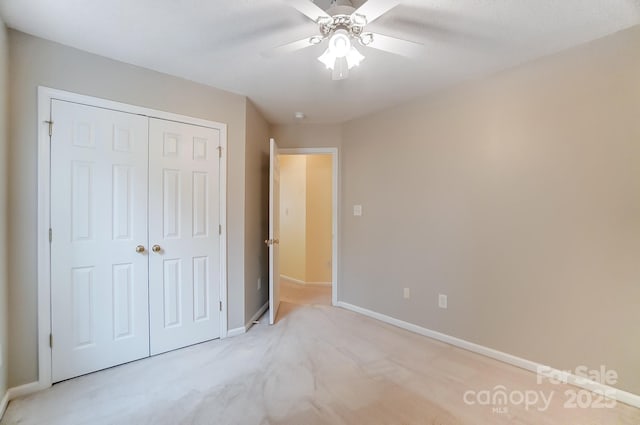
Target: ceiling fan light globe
(340, 43)
(328, 59)
(354, 58)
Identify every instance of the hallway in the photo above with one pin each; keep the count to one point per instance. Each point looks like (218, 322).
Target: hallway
(295, 293)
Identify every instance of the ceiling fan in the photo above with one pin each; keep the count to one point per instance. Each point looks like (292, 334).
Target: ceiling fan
(343, 26)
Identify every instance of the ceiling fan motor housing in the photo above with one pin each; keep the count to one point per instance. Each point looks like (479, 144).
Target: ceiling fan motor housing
(346, 22)
(341, 7)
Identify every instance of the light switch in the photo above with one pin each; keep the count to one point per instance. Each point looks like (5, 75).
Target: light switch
(357, 210)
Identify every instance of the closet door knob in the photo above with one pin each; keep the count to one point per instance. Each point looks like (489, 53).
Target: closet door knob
(140, 249)
(156, 248)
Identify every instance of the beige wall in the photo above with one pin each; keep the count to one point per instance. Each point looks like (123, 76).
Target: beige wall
(256, 212)
(293, 213)
(4, 177)
(319, 213)
(307, 135)
(34, 62)
(519, 198)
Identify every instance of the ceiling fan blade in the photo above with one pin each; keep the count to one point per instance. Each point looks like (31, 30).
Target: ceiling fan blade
(309, 9)
(433, 28)
(287, 48)
(373, 9)
(397, 46)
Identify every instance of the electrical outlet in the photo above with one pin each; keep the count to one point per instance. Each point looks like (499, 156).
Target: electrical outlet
(259, 283)
(442, 301)
(407, 293)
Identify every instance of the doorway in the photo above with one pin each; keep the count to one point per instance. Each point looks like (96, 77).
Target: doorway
(308, 212)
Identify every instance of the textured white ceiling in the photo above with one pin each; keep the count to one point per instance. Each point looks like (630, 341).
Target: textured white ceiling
(218, 42)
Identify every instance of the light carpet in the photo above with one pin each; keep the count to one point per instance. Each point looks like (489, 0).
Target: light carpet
(317, 365)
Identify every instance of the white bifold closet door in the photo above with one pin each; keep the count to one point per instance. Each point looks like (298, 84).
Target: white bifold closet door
(135, 251)
(99, 283)
(184, 273)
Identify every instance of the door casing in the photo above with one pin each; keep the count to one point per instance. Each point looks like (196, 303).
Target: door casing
(45, 96)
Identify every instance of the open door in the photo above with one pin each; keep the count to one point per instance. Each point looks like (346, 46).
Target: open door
(274, 232)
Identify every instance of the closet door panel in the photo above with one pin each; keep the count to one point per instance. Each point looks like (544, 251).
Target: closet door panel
(184, 280)
(99, 282)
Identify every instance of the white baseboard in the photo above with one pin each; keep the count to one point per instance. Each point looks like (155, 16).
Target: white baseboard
(236, 331)
(3, 403)
(292, 279)
(256, 316)
(302, 282)
(620, 395)
(26, 389)
(245, 328)
(317, 283)
(20, 391)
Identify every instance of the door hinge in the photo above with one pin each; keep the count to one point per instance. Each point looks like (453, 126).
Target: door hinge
(50, 127)
(219, 151)
(220, 305)
(50, 235)
(219, 229)
(51, 340)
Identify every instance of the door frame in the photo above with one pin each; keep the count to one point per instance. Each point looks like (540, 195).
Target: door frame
(335, 208)
(45, 96)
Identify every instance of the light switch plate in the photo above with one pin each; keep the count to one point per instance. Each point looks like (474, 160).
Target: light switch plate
(442, 301)
(357, 210)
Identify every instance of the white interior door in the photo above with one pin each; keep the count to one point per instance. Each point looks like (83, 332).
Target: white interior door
(274, 232)
(184, 234)
(99, 298)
